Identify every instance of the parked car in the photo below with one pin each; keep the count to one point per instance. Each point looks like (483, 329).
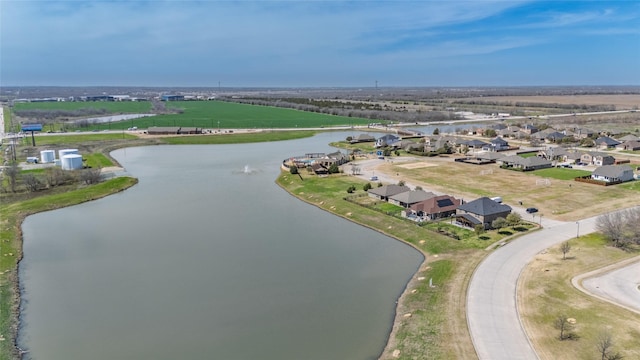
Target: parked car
(532, 210)
(373, 178)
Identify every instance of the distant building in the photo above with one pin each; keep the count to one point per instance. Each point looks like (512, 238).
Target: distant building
(172, 97)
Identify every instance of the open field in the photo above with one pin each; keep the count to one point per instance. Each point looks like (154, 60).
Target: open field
(545, 291)
(116, 107)
(621, 102)
(560, 199)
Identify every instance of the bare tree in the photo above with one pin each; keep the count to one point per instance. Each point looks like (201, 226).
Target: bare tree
(91, 176)
(55, 176)
(604, 344)
(11, 172)
(620, 227)
(565, 247)
(32, 182)
(562, 323)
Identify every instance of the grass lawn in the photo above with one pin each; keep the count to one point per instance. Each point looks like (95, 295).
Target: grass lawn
(239, 138)
(546, 291)
(97, 160)
(81, 138)
(560, 173)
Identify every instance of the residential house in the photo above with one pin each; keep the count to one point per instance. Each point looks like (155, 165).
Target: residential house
(555, 137)
(435, 143)
(319, 169)
(386, 140)
(582, 133)
(402, 144)
(628, 137)
(597, 158)
(384, 192)
(613, 173)
(631, 145)
(474, 144)
(481, 211)
(408, 198)
(529, 129)
(437, 207)
(553, 153)
(497, 144)
(362, 138)
(525, 164)
(605, 142)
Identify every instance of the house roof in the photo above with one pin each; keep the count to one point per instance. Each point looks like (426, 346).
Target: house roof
(365, 137)
(629, 137)
(555, 135)
(436, 204)
(606, 140)
(612, 171)
(389, 137)
(499, 141)
(389, 190)
(412, 197)
(470, 219)
(475, 143)
(485, 206)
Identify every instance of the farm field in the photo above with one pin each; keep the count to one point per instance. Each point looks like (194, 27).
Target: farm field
(115, 107)
(203, 114)
(621, 102)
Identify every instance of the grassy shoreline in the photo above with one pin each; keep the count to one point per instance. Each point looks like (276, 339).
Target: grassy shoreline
(12, 216)
(425, 316)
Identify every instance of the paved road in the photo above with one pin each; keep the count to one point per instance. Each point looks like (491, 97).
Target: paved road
(492, 312)
(618, 285)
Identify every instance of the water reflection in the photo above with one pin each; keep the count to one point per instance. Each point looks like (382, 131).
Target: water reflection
(196, 261)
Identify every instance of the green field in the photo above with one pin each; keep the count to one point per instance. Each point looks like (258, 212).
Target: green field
(80, 138)
(115, 107)
(205, 114)
(561, 173)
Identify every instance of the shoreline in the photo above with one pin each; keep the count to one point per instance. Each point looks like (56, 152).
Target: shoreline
(13, 280)
(397, 317)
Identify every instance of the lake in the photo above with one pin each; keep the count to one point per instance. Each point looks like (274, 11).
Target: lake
(208, 258)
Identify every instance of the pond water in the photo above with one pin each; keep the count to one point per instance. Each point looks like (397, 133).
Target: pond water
(208, 258)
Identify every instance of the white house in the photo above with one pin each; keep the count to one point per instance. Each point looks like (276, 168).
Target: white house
(613, 173)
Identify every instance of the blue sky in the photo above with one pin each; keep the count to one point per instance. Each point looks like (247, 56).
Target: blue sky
(319, 43)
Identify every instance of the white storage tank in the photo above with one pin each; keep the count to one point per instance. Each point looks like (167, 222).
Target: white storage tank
(72, 162)
(62, 153)
(47, 156)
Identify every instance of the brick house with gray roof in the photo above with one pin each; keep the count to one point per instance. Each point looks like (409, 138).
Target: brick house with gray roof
(481, 211)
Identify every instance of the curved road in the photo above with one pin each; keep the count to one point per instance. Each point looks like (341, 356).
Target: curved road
(616, 284)
(492, 313)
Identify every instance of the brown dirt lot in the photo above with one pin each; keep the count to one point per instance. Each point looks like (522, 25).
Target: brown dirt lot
(565, 200)
(622, 102)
